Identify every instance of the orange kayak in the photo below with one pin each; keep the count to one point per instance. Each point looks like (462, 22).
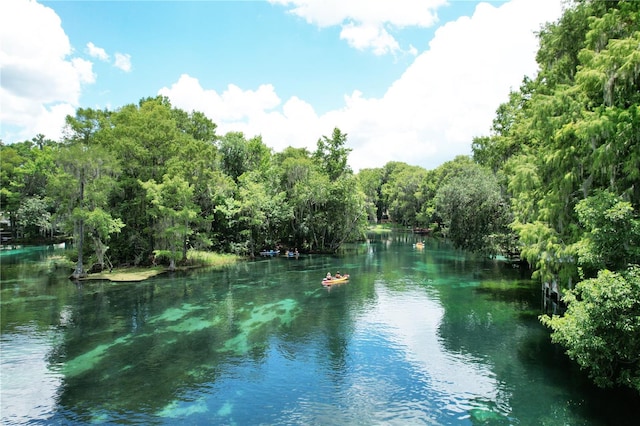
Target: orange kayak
(342, 279)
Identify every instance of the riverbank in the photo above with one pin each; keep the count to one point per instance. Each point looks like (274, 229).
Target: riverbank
(197, 259)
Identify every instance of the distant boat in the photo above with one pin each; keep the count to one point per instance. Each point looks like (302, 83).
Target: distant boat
(423, 231)
(269, 253)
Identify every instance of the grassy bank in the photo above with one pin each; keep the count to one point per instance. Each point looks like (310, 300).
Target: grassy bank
(196, 259)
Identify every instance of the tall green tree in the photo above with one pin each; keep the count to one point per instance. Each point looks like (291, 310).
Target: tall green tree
(34, 218)
(82, 187)
(145, 138)
(234, 154)
(174, 211)
(333, 155)
(601, 328)
(472, 208)
(84, 181)
(370, 181)
(25, 168)
(402, 193)
(263, 213)
(612, 233)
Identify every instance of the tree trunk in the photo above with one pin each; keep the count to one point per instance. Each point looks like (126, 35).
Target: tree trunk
(101, 249)
(79, 271)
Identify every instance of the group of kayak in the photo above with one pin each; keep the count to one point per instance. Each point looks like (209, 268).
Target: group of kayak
(335, 279)
(288, 253)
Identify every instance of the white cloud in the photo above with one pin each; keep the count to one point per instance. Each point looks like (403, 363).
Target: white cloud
(39, 78)
(429, 115)
(366, 23)
(84, 69)
(447, 96)
(369, 36)
(97, 52)
(122, 61)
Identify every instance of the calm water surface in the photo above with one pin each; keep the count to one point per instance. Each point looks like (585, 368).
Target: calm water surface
(416, 337)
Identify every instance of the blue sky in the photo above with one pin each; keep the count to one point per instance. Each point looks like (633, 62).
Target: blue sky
(407, 80)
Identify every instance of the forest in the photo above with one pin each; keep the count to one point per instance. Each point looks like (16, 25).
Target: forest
(557, 180)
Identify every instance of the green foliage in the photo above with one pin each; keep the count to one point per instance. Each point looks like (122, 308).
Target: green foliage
(332, 154)
(84, 181)
(568, 148)
(601, 328)
(402, 192)
(571, 132)
(472, 208)
(612, 237)
(370, 181)
(234, 152)
(173, 211)
(263, 213)
(34, 218)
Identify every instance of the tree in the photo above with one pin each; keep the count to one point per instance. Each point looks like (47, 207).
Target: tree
(82, 185)
(173, 210)
(402, 193)
(601, 327)
(25, 168)
(10, 184)
(34, 218)
(472, 208)
(85, 180)
(146, 138)
(234, 152)
(332, 154)
(612, 237)
(370, 181)
(570, 132)
(328, 205)
(263, 212)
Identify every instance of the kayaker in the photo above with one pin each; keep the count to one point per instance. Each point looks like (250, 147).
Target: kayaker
(329, 277)
(338, 274)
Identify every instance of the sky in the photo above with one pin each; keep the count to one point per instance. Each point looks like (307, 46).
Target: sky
(407, 80)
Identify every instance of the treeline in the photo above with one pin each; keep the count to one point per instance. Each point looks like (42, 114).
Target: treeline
(152, 180)
(149, 181)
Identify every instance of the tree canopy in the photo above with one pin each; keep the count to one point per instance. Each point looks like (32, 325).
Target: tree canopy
(566, 147)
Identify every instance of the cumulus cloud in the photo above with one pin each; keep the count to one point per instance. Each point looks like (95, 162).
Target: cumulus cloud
(39, 77)
(366, 23)
(369, 36)
(123, 61)
(447, 96)
(97, 52)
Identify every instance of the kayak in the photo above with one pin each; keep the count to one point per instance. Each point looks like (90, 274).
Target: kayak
(342, 279)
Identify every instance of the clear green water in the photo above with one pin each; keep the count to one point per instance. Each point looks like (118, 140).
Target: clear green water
(416, 337)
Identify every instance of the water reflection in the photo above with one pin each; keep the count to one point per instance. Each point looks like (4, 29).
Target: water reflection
(454, 382)
(30, 384)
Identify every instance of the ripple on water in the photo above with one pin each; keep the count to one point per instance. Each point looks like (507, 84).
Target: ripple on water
(27, 376)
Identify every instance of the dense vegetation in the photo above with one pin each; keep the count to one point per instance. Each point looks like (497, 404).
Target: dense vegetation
(558, 179)
(566, 148)
(152, 180)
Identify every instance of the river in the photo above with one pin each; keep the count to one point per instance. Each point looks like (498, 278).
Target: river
(417, 336)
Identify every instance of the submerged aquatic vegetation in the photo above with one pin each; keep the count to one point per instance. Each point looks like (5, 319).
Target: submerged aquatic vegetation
(284, 311)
